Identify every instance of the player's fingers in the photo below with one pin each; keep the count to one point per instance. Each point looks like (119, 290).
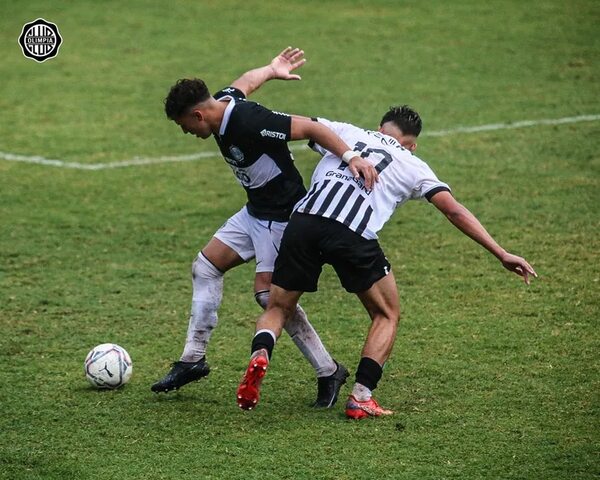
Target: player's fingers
(530, 269)
(521, 271)
(294, 77)
(283, 53)
(298, 64)
(516, 268)
(354, 171)
(291, 54)
(296, 56)
(369, 177)
(373, 176)
(364, 173)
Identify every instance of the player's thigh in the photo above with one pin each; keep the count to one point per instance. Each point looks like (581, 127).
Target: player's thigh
(221, 255)
(266, 240)
(232, 243)
(381, 299)
(284, 299)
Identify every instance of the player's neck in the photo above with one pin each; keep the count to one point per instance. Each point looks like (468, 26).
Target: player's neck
(214, 115)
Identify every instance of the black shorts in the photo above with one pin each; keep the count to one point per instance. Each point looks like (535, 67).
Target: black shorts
(310, 241)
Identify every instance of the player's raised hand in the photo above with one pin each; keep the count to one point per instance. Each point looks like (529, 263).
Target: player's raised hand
(518, 265)
(361, 167)
(286, 62)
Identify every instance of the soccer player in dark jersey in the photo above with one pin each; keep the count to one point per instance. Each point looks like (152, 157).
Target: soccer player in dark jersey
(253, 141)
(337, 223)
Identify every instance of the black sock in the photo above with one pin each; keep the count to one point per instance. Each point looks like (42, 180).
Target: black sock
(263, 340)
(368, 373)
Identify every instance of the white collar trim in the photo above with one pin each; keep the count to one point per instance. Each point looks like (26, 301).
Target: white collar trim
(226, 114)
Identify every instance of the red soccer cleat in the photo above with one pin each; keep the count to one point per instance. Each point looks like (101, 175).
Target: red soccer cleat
(248, 392)
(370, 408)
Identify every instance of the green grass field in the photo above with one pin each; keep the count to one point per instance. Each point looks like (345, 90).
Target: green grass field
(488, 379)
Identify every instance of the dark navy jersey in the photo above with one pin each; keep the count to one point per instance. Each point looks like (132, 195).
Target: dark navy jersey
(253, 141)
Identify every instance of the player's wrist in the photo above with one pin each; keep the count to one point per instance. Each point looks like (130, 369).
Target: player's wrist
(348, 155)
(501, 254)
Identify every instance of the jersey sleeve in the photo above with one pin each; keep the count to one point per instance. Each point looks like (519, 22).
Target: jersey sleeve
(336, 127)
(426, 183)
(230, 92)
(265, 125)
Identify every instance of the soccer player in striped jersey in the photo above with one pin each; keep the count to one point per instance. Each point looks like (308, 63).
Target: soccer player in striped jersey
(253, 141)
(337, 223)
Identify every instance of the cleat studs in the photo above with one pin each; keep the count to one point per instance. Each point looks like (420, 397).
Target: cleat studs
(249, 408)
(255, 365)
(254, 401)
(239, 397)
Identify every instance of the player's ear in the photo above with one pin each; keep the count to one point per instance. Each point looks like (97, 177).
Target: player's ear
(413, 147)
(197, 114)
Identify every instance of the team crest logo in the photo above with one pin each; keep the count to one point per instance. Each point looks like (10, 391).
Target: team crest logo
(237, 156)
(40, 40)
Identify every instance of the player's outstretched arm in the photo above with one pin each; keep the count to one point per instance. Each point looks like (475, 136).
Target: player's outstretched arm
(280, 68)
(467, 223)
(304, 128)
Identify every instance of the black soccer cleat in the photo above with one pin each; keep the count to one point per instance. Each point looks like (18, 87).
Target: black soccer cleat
(328, 388)
(181, 374)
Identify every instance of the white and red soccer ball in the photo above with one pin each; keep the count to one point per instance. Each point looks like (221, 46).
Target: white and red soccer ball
(108, 366)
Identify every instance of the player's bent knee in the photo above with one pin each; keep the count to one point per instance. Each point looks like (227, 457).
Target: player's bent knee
(286, 309)
(202, 268)
(262, 298)
(283, 301)
(387, 317)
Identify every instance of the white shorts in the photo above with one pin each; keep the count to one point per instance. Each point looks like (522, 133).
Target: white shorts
(250, 237)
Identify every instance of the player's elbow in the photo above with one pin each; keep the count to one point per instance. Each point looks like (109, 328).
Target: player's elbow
(460, 217)
(305, 129)
(454, 214)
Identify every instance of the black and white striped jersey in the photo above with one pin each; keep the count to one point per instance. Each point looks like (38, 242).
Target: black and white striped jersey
(253, 141)
(335, 194)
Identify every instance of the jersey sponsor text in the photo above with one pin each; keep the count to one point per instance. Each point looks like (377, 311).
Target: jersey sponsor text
(268, 133)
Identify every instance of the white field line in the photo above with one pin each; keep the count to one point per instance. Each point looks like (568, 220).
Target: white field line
(507, 126)
(136, 161)
(12, 157)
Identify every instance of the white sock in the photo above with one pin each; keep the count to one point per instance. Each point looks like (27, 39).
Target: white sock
(361, 393)
(305, 337)
(207, 282)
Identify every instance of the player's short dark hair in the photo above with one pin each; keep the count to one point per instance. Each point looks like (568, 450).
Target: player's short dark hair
(183, 95)
(405, 118)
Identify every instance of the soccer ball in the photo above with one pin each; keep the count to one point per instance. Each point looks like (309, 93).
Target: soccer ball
(108, 366)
